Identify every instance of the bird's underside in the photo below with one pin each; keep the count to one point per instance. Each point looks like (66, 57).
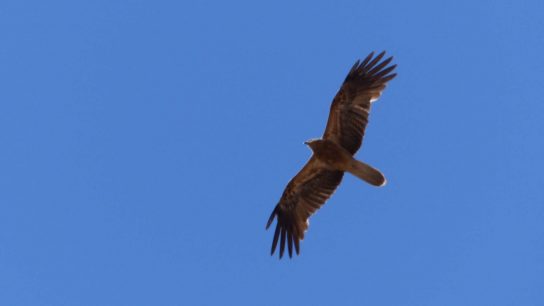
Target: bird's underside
(333, 154)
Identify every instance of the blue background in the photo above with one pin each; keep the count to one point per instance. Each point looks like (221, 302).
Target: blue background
(145, 143)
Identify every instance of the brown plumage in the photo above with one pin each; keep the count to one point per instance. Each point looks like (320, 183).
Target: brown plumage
(333, 154)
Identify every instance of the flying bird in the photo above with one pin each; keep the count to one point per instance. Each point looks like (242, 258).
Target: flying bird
(333, 153)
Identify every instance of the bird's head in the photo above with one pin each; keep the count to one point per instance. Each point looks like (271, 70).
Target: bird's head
(312, 143)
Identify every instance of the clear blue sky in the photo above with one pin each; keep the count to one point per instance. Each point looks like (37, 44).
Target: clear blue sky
(145, 143)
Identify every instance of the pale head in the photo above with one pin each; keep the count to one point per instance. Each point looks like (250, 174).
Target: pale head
(312, 142)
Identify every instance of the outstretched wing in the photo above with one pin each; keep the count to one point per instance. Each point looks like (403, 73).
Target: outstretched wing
(303, 196)
(350, 108)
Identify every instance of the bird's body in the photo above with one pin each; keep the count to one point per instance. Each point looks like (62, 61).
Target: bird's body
(330, 155)
(333, 154)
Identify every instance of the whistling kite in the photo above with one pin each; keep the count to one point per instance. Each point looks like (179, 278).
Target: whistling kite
(333, 154)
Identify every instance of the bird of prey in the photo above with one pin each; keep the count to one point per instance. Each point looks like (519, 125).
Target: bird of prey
(333, 153)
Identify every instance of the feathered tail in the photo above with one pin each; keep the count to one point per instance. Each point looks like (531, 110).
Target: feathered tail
(366, 173)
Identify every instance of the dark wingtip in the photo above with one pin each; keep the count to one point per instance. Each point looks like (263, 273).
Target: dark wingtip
(282, 241)
(371, 65)
(286, 233)
(275, 240)
(389, 77)
(290, 244)
(367, 59)
(355, 66)
(271, 218)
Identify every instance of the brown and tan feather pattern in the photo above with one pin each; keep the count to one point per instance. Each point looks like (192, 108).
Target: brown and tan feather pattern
(316, 182)
(348, 116)
(302, 197)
